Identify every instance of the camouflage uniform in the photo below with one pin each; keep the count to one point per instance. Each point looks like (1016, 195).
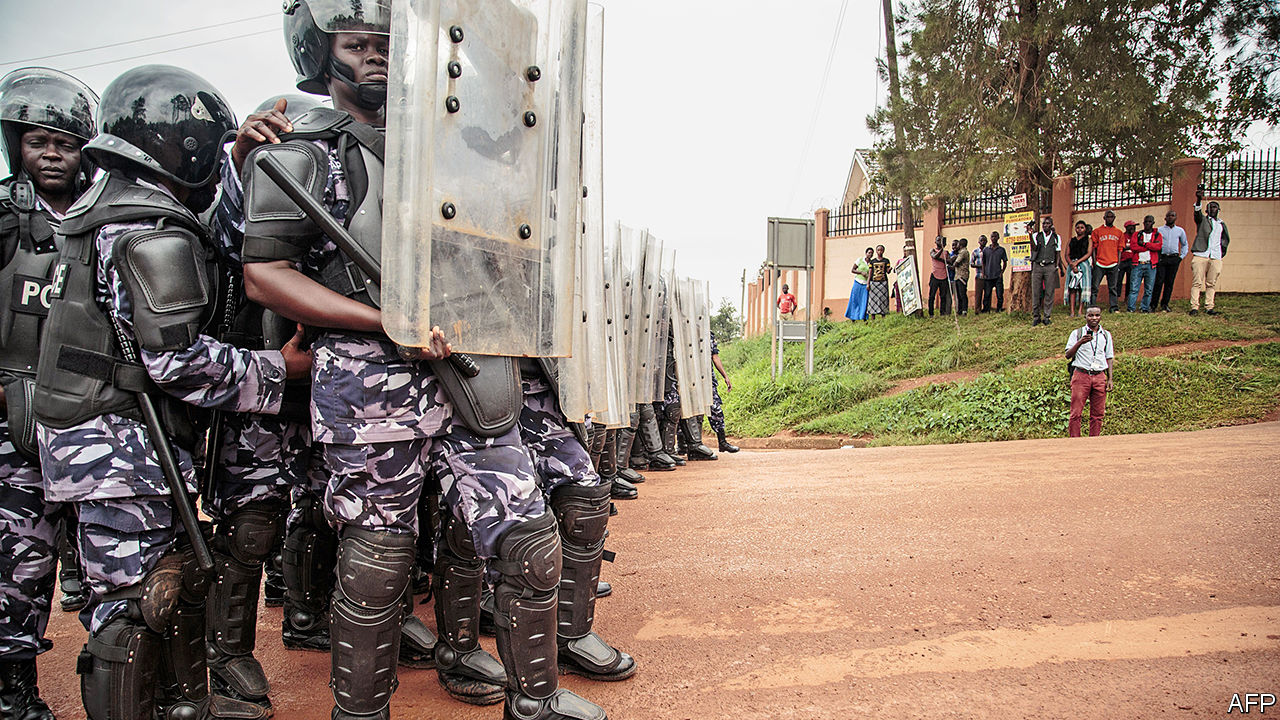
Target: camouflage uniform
(28, 545)
(105, 464)
(716, 416)
(28, 554)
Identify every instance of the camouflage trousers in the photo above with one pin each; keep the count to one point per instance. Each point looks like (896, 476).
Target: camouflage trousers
(263, 458)
(558, 455)
(488, 483)
(716, 416)
(121, 540)
(28, 564)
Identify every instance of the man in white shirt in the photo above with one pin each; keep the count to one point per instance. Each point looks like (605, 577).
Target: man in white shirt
(1090, 350)
(1207, 253)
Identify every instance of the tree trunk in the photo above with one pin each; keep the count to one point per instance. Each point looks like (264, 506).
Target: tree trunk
(906, 214)
(1027, 104)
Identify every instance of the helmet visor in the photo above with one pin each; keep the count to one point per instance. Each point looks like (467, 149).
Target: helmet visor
(333, 16)
(50, 99)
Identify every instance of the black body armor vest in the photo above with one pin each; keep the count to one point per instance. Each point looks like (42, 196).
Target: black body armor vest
(82, 371)
(29, 245)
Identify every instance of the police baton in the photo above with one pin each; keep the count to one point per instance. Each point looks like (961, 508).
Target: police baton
(168, 461)
(333, 229)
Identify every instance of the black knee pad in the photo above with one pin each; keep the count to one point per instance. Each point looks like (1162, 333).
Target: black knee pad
(118, 670)
(249, 533)
(373, 566)
(529, 554)
(161, 589)
(582, 514)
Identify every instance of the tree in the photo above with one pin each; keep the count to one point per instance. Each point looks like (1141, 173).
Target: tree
(1000, 91)
(726, 323)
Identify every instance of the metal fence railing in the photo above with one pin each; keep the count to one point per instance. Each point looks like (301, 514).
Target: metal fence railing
(1107, 190)
(870, 213)
(988, 206)
(1245, 175)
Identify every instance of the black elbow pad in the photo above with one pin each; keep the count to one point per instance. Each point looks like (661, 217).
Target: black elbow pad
(167, 273)
(275, 228)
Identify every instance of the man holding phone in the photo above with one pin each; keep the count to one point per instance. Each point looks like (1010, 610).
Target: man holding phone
(1090, 350)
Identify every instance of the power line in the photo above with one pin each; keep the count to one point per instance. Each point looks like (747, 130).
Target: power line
(165, 52)
(143, 39)
(817, 110)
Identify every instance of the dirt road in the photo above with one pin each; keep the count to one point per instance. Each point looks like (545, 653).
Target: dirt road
(1116, 577)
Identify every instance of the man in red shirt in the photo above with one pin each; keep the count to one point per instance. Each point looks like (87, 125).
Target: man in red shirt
(787, 304)
(1145, 246)
(1108, 242)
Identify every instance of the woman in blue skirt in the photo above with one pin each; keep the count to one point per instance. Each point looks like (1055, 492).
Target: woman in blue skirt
(857, 309)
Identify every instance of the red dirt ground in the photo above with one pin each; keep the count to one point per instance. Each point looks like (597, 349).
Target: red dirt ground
(1128, 576)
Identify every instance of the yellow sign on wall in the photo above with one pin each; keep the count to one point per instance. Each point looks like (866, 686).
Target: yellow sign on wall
(1017, 238)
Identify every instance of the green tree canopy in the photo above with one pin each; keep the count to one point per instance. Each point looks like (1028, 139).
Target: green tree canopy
(1022, 90)
(725, 323)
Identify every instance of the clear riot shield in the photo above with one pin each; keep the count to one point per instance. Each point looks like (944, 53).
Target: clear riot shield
(619, 409)
(480, 204)
(652, 353)
(704, 340)
(632, 246)
(662, 318)
(685, 341)
(584, 376)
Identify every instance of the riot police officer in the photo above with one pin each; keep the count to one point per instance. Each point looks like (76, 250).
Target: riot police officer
(137, 284)
(384, 421)
(46, 117)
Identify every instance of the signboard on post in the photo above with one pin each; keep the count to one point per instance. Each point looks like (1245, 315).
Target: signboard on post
(1017, 202)
(908, 285)
(1018, 240)
(791, 246)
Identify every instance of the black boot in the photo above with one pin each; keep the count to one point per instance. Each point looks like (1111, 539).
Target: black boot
(651, 442)
(725, 445)
(668, 423)
(691, 431)
(622, 456)
(273, 578)
(241, 545)
(525, 614)
(310, 550)
(582, 516)
(19, 696)
(465, 670)
(417, 642)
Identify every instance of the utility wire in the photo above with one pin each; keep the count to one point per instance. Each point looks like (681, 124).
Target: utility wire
(817, 110)
(170, 50)
(138, 40)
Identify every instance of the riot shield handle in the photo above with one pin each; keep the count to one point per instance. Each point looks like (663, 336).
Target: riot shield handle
(332, 229)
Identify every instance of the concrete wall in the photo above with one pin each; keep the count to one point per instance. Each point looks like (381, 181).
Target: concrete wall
(1253, 256)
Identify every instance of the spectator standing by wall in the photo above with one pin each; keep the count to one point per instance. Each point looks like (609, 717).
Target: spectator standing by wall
(878, 287)
(1079, 291)
(1046, 267)
(975, 262)
(1091, 351)
(787, 304)
(857, 309)
(938, 277)
(960, 268)
(1107, 241)
(1173, 248)
(1207, 253)
(1145, 246)
(1125, 266)
(994, 261)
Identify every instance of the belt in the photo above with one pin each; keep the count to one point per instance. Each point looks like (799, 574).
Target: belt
(1091, 372)
(1169, 255)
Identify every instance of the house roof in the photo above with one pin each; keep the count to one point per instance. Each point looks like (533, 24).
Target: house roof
(862, 169)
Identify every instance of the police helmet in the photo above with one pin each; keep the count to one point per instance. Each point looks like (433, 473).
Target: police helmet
(165, 120)
(295, 107)
(307, 27)
(41, 97)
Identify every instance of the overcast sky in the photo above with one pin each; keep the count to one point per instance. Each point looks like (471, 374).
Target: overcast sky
(708, 103)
